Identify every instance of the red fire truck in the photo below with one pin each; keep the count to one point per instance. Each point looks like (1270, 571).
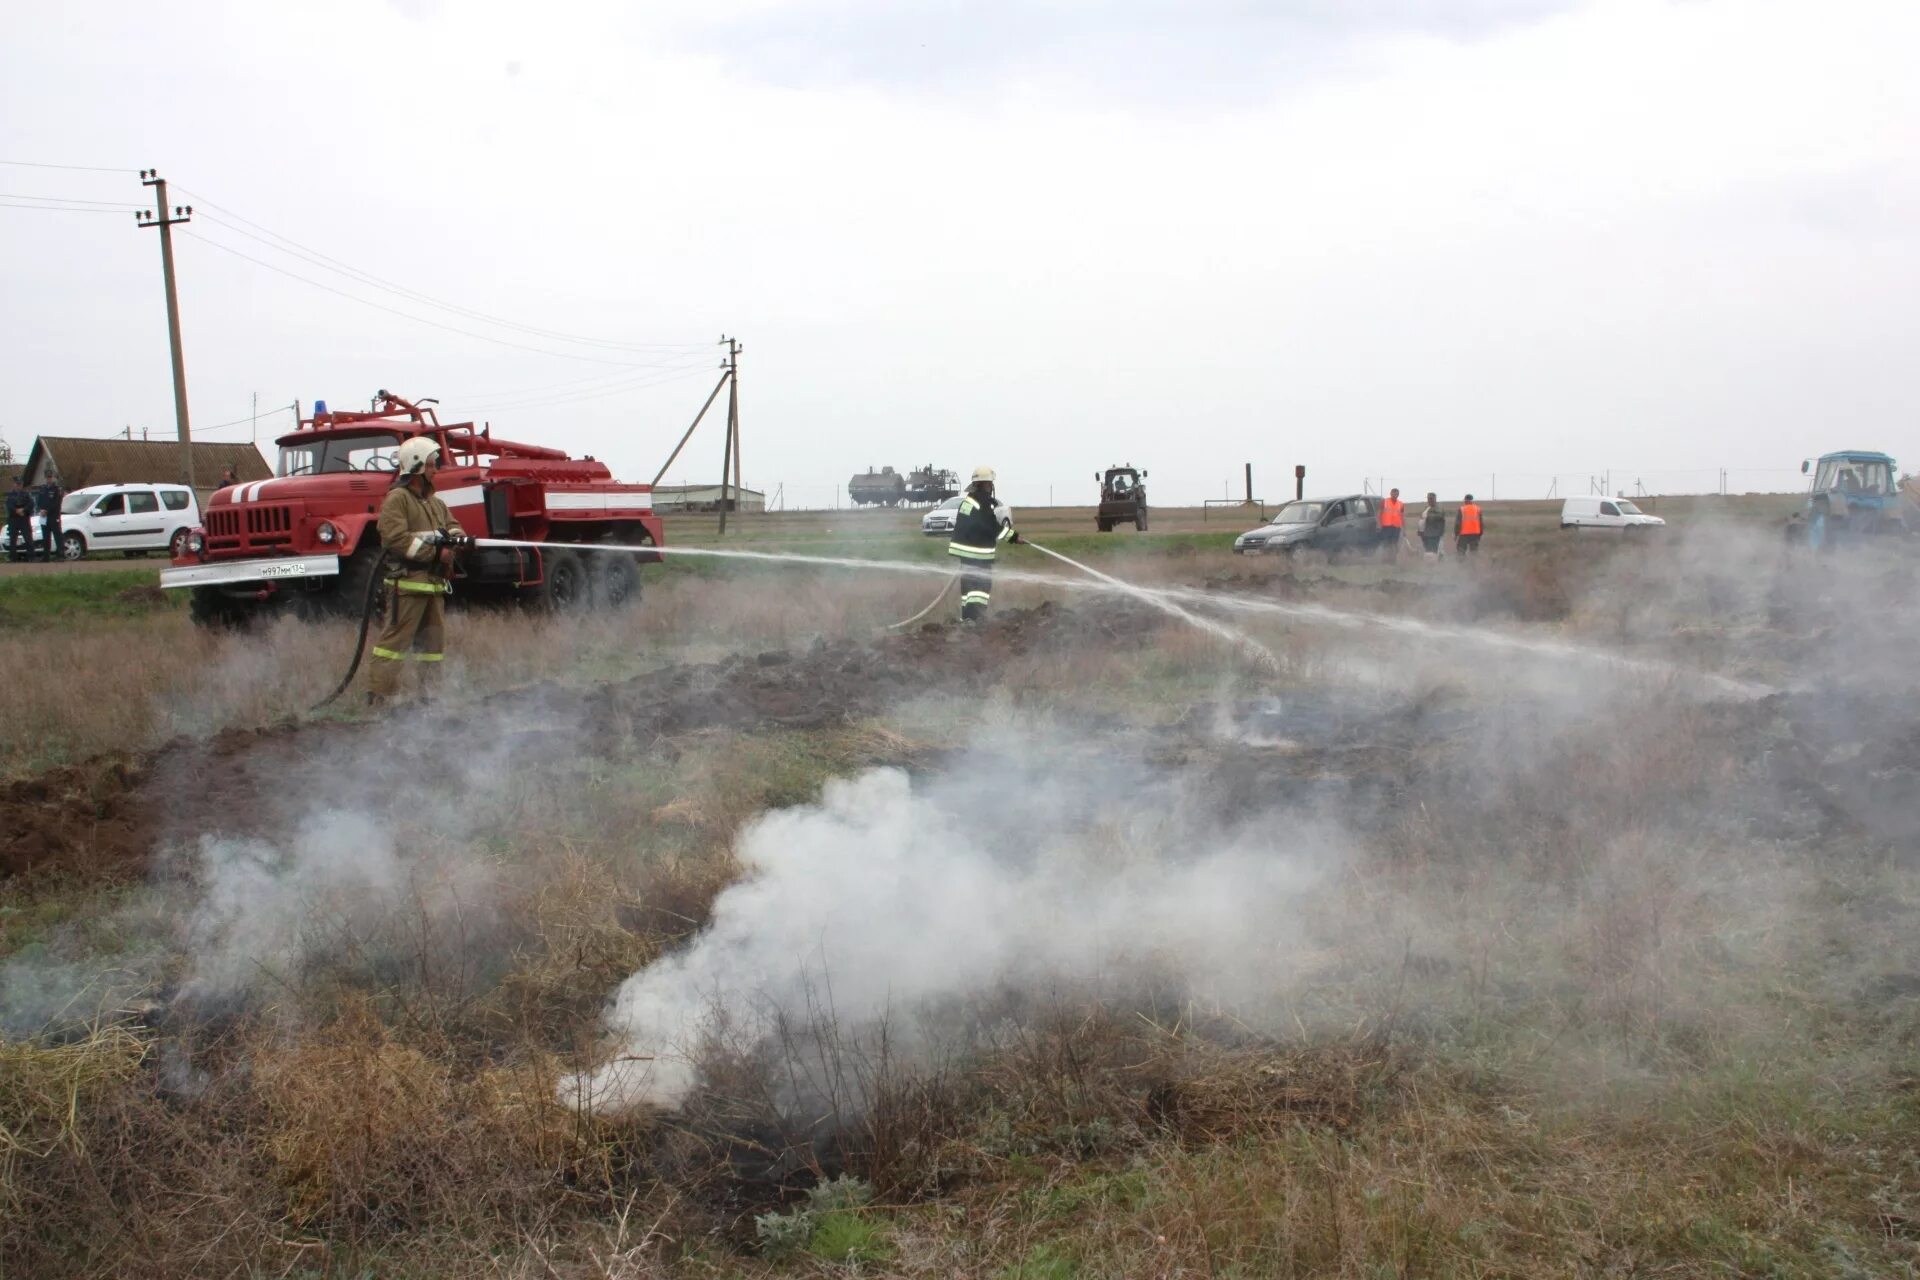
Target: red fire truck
(306, 539)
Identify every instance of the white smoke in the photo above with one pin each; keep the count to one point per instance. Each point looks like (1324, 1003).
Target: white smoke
(1015, 868)
(262, 902)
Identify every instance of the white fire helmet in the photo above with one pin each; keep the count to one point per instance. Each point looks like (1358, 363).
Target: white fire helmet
(983, 474)
(411, 457)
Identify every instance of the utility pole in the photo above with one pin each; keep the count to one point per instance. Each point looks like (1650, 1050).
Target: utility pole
(164, 217)
(730, 460)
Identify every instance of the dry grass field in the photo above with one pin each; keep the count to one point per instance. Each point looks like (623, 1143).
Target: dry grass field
(1549, 916)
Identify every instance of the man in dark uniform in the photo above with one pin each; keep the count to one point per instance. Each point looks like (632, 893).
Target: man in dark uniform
(19, 522)
(979, 528)
(46, 500)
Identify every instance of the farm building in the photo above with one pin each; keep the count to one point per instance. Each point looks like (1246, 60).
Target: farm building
(705, 497)
(81, 461)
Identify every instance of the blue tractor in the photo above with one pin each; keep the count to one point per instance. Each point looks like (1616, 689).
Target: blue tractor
(1855, 494)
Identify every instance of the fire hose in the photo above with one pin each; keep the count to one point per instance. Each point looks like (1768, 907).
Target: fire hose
(1154, 599)
(374, 582)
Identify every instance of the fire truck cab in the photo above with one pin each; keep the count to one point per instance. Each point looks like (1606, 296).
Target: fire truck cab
(306, 539)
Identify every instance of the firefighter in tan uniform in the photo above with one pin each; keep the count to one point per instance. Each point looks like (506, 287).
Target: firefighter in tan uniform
(421, 539)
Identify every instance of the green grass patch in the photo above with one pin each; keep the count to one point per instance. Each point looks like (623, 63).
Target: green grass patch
(32, 599)
(850, 1237)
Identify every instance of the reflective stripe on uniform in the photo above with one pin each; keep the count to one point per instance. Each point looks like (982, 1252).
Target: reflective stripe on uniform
(970, 552)
(424, 588)
(391, 656)
(975, 597)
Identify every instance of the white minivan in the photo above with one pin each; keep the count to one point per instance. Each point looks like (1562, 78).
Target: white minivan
(1605, 513)
(127, 517)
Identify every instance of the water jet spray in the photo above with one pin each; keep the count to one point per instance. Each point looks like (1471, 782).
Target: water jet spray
(1180, 602)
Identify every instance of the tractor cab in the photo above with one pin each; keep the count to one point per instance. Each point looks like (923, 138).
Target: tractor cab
(1854, 493)
(1123, 498)
(1121, 483)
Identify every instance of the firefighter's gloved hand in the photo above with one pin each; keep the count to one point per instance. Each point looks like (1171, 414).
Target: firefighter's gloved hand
(1016, 537)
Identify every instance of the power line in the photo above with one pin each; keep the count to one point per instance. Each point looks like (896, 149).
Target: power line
(487, 397)
(650, 380)
(288, 245)
(99, 204)
(241, 422)
(78, 168)
(62, 208)
(404, 315)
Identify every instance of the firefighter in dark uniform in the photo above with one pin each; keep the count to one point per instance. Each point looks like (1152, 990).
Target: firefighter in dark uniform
(19, 522)
(46, 499)
(421, 540)
(978, 530)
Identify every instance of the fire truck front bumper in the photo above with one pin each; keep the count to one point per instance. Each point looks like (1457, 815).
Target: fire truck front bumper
(238, 571)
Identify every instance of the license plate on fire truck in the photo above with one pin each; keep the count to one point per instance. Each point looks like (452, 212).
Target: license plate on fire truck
(237, 571)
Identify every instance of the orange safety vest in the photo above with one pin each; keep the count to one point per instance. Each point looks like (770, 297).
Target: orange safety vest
(1470, 519)
(1392, 513)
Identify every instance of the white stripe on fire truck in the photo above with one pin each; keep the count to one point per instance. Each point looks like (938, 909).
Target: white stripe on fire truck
(465, 495)
(599, 502)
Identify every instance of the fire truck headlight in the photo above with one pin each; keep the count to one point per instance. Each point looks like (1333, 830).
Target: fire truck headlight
(326, 534)
(196, 543)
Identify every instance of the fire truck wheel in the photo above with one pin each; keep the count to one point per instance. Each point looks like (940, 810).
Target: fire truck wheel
(349, 594)
(564, 588)
(616, 580)
(208, 607)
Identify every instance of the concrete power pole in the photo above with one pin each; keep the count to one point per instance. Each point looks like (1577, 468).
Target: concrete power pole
(730, 460)
(164, 217)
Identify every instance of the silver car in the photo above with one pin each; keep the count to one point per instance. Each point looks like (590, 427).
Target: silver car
(938, 523)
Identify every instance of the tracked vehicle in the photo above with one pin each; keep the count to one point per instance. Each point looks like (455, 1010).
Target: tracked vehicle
(306, 539)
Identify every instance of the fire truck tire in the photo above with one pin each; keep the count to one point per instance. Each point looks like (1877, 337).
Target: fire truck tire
(563, 587)
(361, 568)
(1140, 522)
(209, 608)
(616, 580)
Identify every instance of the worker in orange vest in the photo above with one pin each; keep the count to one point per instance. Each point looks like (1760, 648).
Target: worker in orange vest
(1393, 522)
(1466, 528)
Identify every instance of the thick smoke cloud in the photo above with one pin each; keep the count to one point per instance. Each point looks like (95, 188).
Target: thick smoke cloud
(1028, 862)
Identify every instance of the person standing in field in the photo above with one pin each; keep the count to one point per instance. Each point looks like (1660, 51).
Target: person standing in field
(1433, 525)
(19, 522)
(421, 540)
(981, 525)
(1467, 526)
(1393, 523)
(46, 500)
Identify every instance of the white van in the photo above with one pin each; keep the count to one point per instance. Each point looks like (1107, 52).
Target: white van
(1605, 513)
(127, 517)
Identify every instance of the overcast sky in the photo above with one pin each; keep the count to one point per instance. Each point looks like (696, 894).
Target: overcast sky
(1422, 240)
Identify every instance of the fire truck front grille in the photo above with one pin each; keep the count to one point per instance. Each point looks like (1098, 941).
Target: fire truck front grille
(246, 529)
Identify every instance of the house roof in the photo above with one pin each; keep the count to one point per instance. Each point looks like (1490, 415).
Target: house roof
(85, 460)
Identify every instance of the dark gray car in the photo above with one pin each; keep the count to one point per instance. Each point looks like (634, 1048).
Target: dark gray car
(1344, 525)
